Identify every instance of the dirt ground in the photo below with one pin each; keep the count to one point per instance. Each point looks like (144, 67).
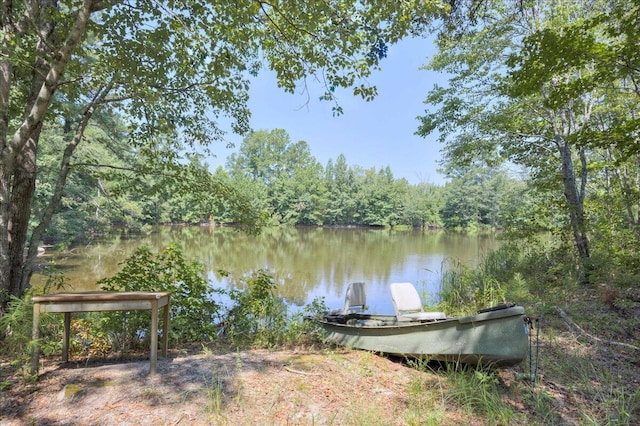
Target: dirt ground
(261, 387)
(243, 388)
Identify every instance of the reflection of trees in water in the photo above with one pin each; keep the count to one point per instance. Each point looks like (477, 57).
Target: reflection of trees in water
(303, 260)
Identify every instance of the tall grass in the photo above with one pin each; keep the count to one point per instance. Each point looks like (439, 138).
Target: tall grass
(465, 290)
(478, 392)
(496, 279)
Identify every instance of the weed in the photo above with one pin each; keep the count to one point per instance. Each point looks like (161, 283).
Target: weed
(152, 396)
(238, 375)
(425, 406)
(477, 391)
(215, 396)
(363, 413)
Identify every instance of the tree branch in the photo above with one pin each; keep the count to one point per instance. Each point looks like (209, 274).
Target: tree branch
(572, 324)
(65, 167)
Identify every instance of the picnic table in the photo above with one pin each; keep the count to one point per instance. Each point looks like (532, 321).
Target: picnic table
(99, 301)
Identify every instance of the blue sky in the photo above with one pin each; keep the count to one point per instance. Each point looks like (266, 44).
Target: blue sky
(376, 134)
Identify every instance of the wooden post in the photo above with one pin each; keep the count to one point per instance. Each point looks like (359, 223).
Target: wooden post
(35, 337)
(154, 336)
(65, 341)
(165, 329)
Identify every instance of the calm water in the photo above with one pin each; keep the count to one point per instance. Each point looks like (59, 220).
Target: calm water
(306, 262)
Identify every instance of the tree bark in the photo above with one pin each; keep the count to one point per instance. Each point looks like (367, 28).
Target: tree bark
(18, 155)
(575, 202)
(22, 192)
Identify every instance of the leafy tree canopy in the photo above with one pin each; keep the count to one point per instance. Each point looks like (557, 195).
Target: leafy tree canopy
(172, 69)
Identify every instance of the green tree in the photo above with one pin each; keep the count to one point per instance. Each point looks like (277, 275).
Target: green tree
(308, 195)
(422, 205)
(342, 189)
(508, 95)
(94, 196)
(477, 196)
(290, 177)
(172, 69)
(597, 65)
(460, 209)
(380, 198)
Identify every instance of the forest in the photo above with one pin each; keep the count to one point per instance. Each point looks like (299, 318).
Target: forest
(282, 185)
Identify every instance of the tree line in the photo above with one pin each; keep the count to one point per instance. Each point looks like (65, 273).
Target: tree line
(273, 180)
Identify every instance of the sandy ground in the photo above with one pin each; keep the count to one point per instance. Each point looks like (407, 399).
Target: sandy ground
(244, 388)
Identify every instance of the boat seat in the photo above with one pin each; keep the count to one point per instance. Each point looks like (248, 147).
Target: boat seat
(355, 299)
(408, 306)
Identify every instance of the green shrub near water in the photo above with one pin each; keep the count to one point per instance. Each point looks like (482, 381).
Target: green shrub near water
(500, 277)
(193, 310)
(259, 317)
(465, 290)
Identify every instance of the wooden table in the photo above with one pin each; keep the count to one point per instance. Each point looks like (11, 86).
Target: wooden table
(68, 303)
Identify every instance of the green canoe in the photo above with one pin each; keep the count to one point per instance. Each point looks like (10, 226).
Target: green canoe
(493, 337)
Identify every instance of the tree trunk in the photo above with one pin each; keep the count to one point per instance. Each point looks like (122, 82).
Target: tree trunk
(18, 152)
(575, 202)
(22, 192)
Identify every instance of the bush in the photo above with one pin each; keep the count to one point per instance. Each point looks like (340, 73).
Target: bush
(193, 311)
(258, 316)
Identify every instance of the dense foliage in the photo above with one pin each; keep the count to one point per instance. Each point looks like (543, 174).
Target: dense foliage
(552, 88)
(173, 73)
(286, 186)
(194, 311)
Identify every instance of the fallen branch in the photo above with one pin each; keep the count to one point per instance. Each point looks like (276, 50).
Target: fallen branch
(304, 373)
(568, 320)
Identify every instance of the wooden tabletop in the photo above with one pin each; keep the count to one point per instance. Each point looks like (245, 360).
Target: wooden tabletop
(100, 296)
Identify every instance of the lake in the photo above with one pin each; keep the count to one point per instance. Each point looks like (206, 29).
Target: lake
(306, 262)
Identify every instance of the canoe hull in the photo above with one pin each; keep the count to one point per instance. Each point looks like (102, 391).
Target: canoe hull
(491, 338)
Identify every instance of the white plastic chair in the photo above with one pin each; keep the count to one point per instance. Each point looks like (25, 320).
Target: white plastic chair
(356, 298)
(408, 306)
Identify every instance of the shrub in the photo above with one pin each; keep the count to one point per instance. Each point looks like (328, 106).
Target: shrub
(193, 311)
(16, 325)
(258, 316)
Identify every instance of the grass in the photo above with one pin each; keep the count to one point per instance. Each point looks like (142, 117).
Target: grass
(426, 404)
(215, 397)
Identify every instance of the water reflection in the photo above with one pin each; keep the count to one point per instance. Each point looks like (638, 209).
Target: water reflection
(306, 262)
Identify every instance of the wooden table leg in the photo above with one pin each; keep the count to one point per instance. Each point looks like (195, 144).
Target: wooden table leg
(35, 336)
(65, 340)
(165, 330)
(154, 337)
